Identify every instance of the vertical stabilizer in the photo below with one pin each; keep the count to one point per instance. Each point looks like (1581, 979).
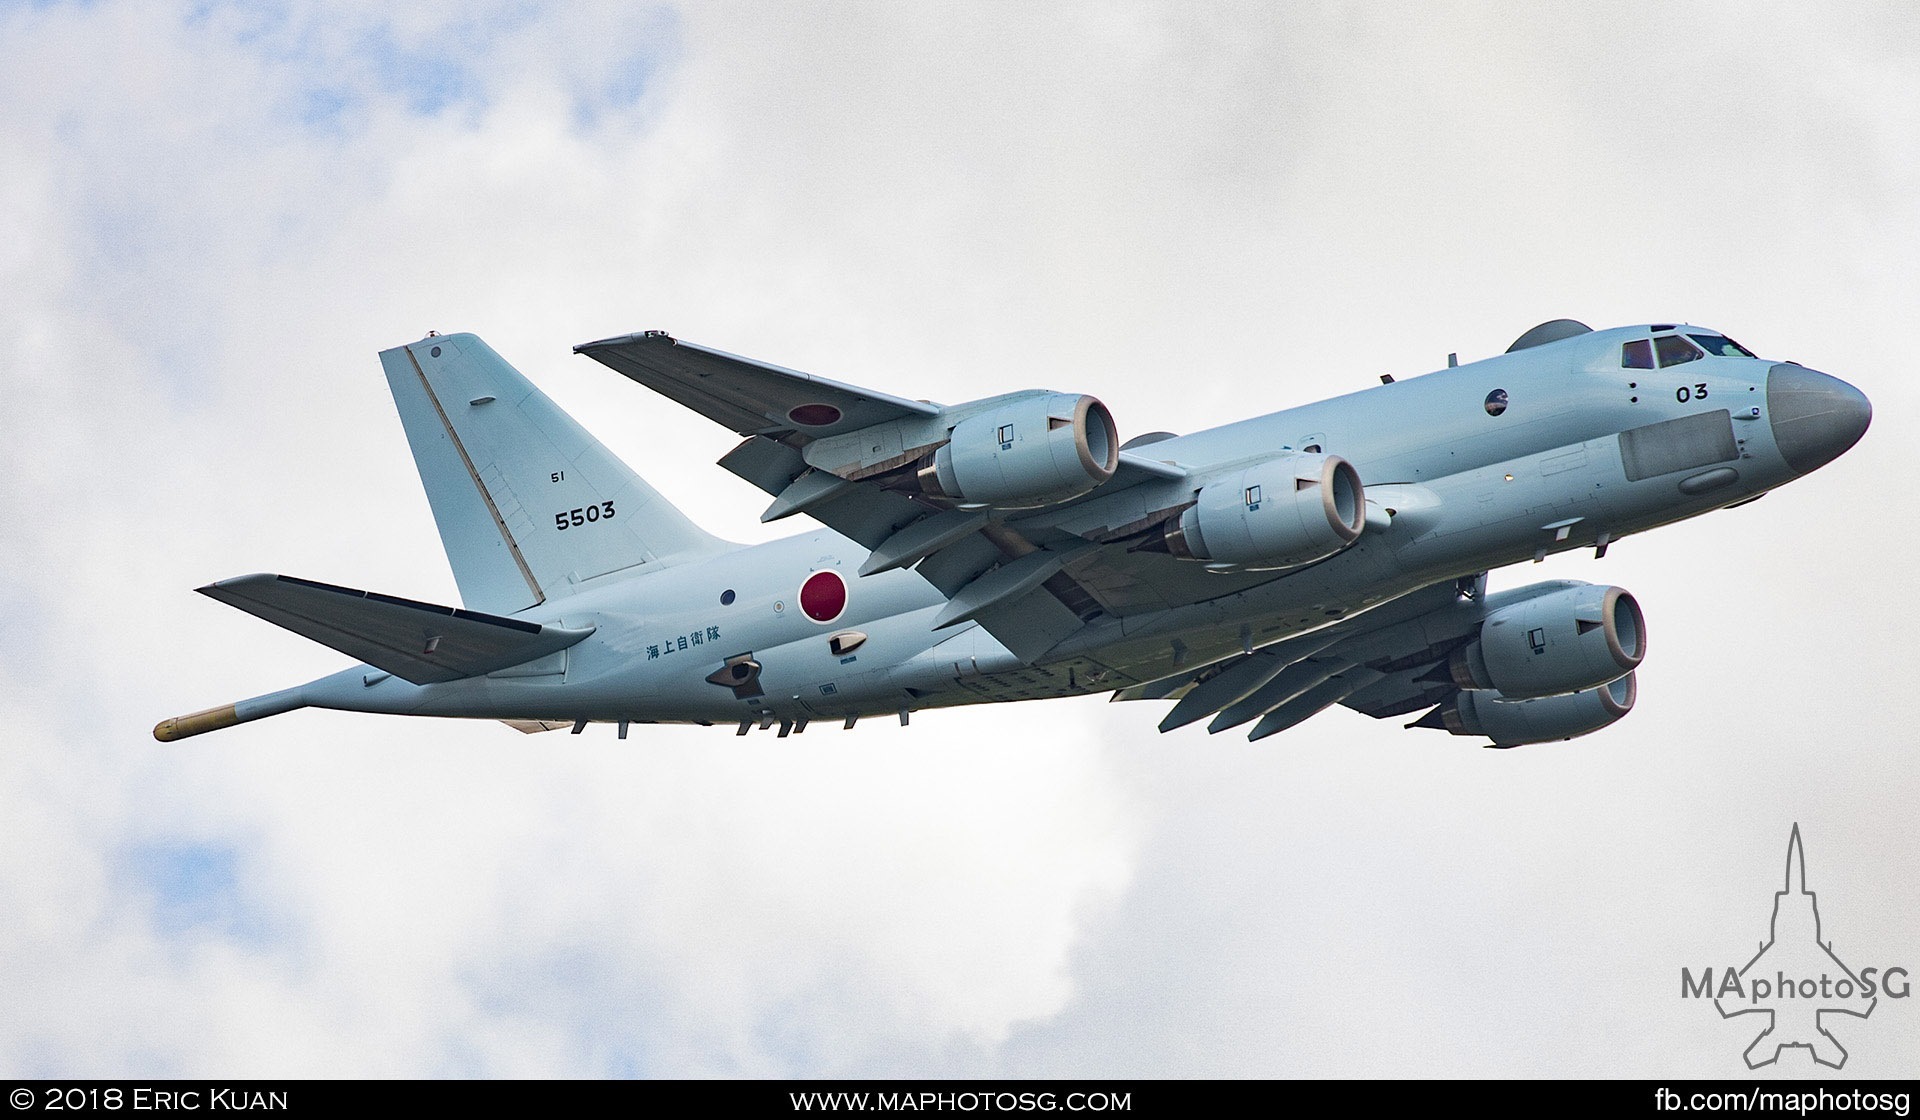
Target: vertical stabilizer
(528, 503)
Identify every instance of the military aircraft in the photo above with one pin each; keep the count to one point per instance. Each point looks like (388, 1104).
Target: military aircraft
(1013, 548)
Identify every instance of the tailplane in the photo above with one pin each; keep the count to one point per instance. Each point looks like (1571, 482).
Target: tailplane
(529, 505)
(423, 643)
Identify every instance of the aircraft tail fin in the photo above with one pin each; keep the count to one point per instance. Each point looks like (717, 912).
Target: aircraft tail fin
(529, 505)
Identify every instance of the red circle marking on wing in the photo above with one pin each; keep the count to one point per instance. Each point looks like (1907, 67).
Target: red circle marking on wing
(814, 415)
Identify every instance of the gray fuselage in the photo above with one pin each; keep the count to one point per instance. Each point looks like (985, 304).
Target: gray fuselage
(1466, 469)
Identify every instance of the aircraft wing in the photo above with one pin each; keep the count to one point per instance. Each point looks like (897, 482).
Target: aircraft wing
(1392, 661)
(751, 398)
(1385, 652)
(418, 642)
(1029, 581)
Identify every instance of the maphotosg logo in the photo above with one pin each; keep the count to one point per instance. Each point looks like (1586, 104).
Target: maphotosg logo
(1796, 980)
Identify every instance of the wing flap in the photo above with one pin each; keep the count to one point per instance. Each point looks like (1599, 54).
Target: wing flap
(1004, 584)
(922, 539)
(1312, 702)
(535, 726)
(1246, 688)
(419, 642)
(1029, 625)
(768, 464)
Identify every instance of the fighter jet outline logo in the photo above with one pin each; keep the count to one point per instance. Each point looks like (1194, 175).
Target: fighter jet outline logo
(1798, 954)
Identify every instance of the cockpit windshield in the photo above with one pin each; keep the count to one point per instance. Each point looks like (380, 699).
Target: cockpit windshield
(1720, 346)
(1673, 349)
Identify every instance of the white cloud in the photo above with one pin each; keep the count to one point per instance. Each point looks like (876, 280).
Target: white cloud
(1195, 215)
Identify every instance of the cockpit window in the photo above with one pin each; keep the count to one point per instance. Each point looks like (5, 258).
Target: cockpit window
(1674, 350)
(1637, 354)
(1720, 346)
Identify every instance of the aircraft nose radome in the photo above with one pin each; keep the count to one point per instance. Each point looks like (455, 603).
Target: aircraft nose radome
(1815, 417)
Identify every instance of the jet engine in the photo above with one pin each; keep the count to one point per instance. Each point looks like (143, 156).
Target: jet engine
(1576, 638)
(1282, 513)
(1031, 451)
(1545, 719)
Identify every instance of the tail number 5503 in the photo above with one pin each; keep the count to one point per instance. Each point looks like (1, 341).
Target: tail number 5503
(577, 517)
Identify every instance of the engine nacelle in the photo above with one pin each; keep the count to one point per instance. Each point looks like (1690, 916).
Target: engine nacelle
(1031, 451)
(1544, 719)
(1573, 639)
(1280, 514)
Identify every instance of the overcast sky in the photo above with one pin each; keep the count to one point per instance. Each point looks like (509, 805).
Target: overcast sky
(218, 213)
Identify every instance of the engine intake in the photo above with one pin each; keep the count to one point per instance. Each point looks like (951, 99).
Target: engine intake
(1573, 639)
(1279, 514)
(1031, 451)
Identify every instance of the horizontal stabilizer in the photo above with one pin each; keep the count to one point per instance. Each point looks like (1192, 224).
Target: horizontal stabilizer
(418, 642)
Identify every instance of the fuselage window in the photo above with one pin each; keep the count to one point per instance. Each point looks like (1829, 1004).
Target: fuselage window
(1720, 346)
(1637, 354)
(1673, 350)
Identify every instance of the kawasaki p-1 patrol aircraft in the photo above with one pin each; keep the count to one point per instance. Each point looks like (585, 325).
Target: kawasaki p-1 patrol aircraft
(1014, 548)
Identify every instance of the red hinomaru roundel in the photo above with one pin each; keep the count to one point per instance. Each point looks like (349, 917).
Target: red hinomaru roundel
(823, 596)
(814, 415)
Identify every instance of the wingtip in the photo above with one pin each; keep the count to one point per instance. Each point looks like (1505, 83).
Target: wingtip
(624, 340)
(235, 581)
